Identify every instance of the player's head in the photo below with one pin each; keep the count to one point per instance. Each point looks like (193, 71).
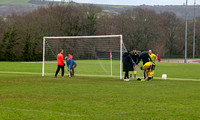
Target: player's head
(129, 52)
(150, 51)
(61, 50)
(142, 51)
(134, 50)
(66, 58)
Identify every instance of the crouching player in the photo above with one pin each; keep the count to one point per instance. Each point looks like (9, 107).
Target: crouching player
(149, 68)
(71, 64)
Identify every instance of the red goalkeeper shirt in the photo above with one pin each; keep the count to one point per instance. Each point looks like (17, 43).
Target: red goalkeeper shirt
(60, 59)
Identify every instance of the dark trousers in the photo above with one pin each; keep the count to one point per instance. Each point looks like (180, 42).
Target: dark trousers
(58, 69)
(144, 71)
(126, 75)
(72, 70)
(144, 75)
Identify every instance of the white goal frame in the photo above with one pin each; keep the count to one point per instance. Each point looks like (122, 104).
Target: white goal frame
(78, 37)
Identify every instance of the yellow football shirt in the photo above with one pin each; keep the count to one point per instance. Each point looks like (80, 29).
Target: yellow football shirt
(153, 57)
(148, 64)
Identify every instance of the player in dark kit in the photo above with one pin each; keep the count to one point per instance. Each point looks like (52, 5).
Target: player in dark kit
(144, 57)
(135, 58)
(128, 64)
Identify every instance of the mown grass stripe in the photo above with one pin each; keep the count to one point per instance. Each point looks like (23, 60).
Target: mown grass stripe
(43, 111)
(84, 75)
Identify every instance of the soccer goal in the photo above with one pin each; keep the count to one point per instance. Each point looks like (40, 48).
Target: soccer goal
(95, 55)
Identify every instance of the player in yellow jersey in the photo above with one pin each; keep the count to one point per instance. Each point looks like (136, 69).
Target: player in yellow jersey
(148, 68)
(152, 56)
(135, 58)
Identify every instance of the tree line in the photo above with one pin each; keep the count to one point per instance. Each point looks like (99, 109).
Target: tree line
(21, 35)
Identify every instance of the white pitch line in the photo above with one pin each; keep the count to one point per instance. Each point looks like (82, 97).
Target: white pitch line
(48, 112)
(29, 73)
(38, 62)
(32, 73)
(30, 62)
(97, 75)
(9, 72)
(183, 79)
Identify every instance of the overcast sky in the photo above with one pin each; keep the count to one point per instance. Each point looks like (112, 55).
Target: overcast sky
(137, 2)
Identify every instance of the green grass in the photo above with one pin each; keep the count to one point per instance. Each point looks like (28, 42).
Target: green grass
(90, 67)
(27, 96)
(14, 2)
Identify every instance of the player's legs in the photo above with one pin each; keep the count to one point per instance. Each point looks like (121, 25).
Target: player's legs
(62, 68)
(73, 69)
(150, 75)
(146, 74)
(144, 71)
(71, 74)
(135, 72)
(57, 71)
(131, 73)
(126, 75)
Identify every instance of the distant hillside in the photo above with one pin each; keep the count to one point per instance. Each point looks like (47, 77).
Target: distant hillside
(179, 10)
(7, 7)
(14, 2)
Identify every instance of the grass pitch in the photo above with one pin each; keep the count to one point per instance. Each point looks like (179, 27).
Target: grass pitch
(24, 94)
(14, 2)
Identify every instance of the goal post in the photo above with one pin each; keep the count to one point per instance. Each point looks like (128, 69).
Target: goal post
(43, 57)
(94, 47)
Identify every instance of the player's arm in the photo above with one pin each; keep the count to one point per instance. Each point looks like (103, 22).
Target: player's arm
(150, 68)
(131, 61)
(70, 62)
(145, 72)
(68, 65)
(137, 59)
(149, 57)
(155, 56)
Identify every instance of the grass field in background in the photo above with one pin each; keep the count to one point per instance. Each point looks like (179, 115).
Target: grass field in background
(90, 67)
(24, 94)
(14, 2)
(102, 67)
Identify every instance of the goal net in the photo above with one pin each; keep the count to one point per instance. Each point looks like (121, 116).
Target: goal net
(95, 55)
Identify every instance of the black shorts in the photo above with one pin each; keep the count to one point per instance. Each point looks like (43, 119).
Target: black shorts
(74, 65)
(153, 67)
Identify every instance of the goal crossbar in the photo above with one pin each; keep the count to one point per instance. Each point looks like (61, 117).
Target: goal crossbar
(74, 37)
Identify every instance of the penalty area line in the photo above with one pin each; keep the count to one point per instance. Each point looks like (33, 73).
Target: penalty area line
(85, 75)
(38, 62)
(49, 74)
(39, 111)
(180, 79)
(10, 72)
